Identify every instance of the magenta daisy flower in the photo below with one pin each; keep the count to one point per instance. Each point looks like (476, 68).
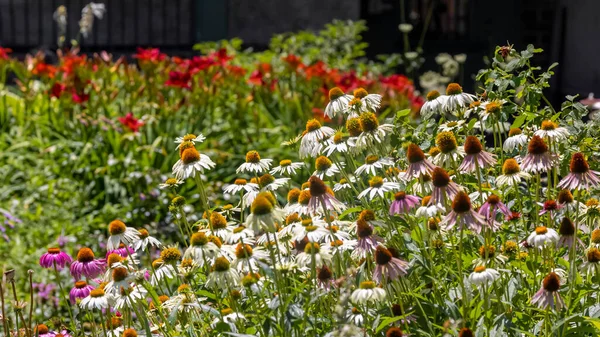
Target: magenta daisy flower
(54, 257)
(80, 290)
(417, 164)
(580, 177)
(122, 251)
(463, 215)
(548, 295)
(87, 265)
(388, 266)
(403, 203)
(475, 156)
(444, 189)
(538, 158)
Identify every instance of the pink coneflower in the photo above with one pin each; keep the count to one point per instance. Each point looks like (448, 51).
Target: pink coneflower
(566, 231)
(80, 290)
(548, 295)
(322, 196)
(388, 266)
(550, 207)
(538, 158)
(123, 251)
(42, 331)
(403, 203)
(325, 278)
(491, 207)
(476, 156)
(463, 214)
(580, 177)
(367, 241)
(417, 164)
(443, 188)
(54, 257)
(87, 265)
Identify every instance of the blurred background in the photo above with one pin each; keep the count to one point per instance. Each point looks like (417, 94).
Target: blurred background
(565, 29)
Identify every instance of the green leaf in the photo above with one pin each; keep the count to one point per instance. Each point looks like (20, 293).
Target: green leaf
(402, 113)
(349, 211)
(519, 121)
(388, 321)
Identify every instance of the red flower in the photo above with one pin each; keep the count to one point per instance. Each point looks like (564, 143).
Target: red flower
(199, 63)
(221, 56)
(131, 122)
(152, 55)
(319, 70)
(4, 53)
(44, 69)
(293, 62)
(179, 79)
(262, 76)
(349, 81)
(71, 62)
(236, 71)
(57, 90)
(79, 97)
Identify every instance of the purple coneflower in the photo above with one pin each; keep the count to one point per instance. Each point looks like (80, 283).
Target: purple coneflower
(548, 295)
(443, 188)
(403, 203)
(417, 164)
(322, 196)
(388, 266)
(476, 157)
(325, 278)
(538, 158)
(80, 290)
(550, 207)
(491, 207)
(87, 265)
(463, 214)
(42, 331)
(367, 241)
(123, 251)
(580, 177)
(54, 257)
(567, 233)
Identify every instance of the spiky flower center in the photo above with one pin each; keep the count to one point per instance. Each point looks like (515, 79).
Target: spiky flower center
(42, 329)
(479, 269)
(514, 132)
(190, 156)
(489, 250)
(400, 195)
(266, 179)
(116, 227)
(541, 230)
(304, 197)
(312, 248)
(367, 215)
(549, 125)
(113, 258)
(510, 247)
(537, 145)
(446, 141)
(354, 127)
(414, 154)
(98, 292)
(461, 202)
(453, 89)
(171, 181)
(199, 239)
(129, 333)
(434, 151)
(510, 167)
(382, 255)
(317, 186)
(566, 227)
(218, 221)
(473, 145)
(371, 159)
(425, 201)
(432, 95)
(355, 103)
(578, 163)
(261, 205)
(221, 264)
(376, 182)
(293, 195)
(551, 282)
(368, 122)
(178, 201)
(360, 93)
(239, 229)
(323, 163)
(393, 332)
(241, 182)
(593, 255)
(565, 197)
(252, 157)
(363, 229)
(119, 274)
(439, 177)
(465, 332)
(550, 205)
(324, 273)
(493, 108)
(243, 251)
(285, 163)
(335, 93)
(493, 199)
(595, 237)
(85, 254)
(170, 255)
(367, 285)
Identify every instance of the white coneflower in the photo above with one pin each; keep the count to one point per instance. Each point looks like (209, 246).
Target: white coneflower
(314, 229)
(184, 302)
(201, 249)
(314, 135)
(372, 163)
(254, 164)
(269, 183)
(542, 237)
(434, 104)
(343, 184)
(287, 167)
(511, 174)
(170, 183)
(550, 130)
(129, 298)
(97, 299)
(88, 13)
(191, 163)
(121, 278)
(456, 98)
(162, 271)
(429, 209)
(378, 187)
(240, 185)
(452, 126)
(338, 143)
(119, 232)
(230, 318)
(264, 213)
(338, 102)
(222, 276)
(325, 168)
(450, 153)
(145, 241)
(369, 102)
(372, 131)
(483, 276)
(367, 292)
(189, 138)
(315, 254)
(219, 226)
(248, 259)
(591, 266)
(516, 140)
(240, 233)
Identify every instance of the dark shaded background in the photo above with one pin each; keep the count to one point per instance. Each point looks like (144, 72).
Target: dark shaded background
(566, 29)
